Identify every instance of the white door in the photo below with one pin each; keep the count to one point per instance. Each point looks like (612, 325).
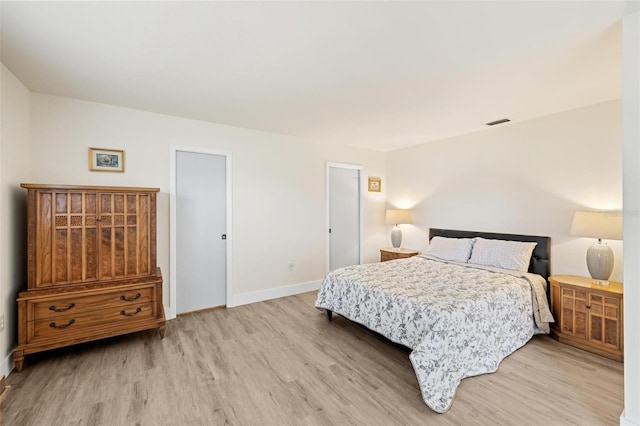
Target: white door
(200, 231)
(344, 216)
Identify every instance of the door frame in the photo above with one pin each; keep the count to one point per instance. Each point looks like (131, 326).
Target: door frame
(359, 168)
(173, 157)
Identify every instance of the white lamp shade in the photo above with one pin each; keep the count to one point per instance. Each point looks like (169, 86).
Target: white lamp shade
(397, 217)
(605, 225)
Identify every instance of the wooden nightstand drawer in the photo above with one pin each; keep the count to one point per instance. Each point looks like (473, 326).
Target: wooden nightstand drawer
(588, 315)
(392, 254)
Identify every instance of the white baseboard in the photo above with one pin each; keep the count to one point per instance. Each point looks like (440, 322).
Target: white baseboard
(273, 293)
(6, 366)
(626, 422)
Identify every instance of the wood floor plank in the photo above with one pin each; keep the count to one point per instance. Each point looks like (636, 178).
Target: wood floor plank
(281, 362)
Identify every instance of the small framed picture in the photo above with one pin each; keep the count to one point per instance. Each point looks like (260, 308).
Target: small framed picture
(106, 160)
(375, 184)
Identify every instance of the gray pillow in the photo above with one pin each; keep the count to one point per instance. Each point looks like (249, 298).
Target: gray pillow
(452, 249)
(513, 255)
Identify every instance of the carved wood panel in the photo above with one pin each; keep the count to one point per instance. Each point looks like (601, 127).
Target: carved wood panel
(78, 236)
(125, 233)
(64, 238)
(604, 320)
(574, 312)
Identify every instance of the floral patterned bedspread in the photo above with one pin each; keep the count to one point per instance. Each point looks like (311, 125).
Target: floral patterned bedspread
(460, 320)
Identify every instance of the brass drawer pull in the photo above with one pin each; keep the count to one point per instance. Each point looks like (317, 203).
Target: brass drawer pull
(54, 309)
(60, 327)
(132, 313)
(130, 299)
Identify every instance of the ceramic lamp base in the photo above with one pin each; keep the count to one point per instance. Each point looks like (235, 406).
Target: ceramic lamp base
(396, 237)
(600, 262)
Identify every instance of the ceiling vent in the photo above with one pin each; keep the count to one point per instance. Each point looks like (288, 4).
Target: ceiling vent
(502, 120)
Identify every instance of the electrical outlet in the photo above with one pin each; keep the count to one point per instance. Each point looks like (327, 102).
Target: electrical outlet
(2, 322)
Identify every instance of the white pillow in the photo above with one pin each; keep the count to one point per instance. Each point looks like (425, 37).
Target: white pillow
(452, 249)
(514, 255)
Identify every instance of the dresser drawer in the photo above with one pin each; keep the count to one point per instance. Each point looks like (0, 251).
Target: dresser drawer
(68, 325)
(61, 306)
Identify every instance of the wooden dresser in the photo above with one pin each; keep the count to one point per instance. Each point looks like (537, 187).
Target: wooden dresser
(388, 253)
(588, 315)
(91, 266)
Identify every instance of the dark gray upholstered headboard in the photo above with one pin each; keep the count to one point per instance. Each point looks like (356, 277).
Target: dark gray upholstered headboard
(541, 254)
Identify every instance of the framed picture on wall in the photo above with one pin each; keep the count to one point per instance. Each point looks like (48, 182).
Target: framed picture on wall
(106, 160)
(375, 184)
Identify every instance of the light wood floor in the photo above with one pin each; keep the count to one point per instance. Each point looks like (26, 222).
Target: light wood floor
(281, 363)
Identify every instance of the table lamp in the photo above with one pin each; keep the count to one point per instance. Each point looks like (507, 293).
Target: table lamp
(600, 225)
(397, 217)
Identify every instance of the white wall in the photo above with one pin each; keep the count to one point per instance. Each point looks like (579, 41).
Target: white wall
(278, 182)
(522, 177)
(14, 168)
(631, 167)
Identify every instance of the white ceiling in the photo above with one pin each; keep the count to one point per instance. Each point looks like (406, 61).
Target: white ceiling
(382, 75)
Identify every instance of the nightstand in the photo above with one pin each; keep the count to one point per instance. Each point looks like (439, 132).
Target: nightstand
(389, 253)
(588, 316)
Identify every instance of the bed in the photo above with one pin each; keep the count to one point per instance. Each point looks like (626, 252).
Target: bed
(459, 319)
